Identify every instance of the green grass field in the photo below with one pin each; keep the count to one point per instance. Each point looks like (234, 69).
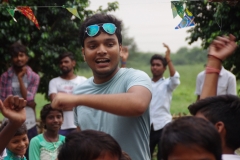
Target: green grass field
(182, 96)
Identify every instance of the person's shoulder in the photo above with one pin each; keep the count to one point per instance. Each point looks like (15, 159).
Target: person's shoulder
(29, 69)
(201, 74)
(4, 74)
(132, 71)
(9, 70)
(61, 137)
(55, 79)
(229, 74)
(230, 157)
(82, 78)
(84, 84)
(37, 138)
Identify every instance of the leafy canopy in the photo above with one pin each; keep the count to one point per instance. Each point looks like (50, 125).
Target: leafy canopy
(216, 19)
(58, 33)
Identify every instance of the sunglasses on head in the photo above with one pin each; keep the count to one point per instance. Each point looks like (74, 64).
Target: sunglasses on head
(93, 30)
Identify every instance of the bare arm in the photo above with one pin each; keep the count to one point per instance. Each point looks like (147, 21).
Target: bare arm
(13, 109)
(133, 103)
(52, 96)
(23, 89)
(169, 62)
(221, 48)
(65, 108)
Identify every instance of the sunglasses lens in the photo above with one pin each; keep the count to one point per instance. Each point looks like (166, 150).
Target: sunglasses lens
(110, 28)
(92, 30)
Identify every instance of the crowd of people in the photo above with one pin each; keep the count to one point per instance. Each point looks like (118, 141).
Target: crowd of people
(119, 113)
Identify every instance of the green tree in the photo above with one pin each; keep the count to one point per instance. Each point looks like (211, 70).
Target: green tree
(58, 33)
(212, 20)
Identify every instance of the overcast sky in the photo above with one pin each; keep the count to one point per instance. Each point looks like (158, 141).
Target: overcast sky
(150, 22)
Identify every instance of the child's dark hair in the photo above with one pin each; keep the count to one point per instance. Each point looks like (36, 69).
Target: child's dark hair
(97, 19)
(224, 108)
(191, 132)
(159, 57)
(66, 54)
(125, 156)
(46, 110)
(88, 145)
(20, 131)
(17, 47)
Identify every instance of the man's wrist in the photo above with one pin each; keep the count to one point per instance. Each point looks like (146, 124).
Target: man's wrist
(212, 62)
(168, 60)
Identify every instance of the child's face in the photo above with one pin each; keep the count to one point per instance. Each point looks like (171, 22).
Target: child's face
(53, 121)
(181, 152)
(18, 144)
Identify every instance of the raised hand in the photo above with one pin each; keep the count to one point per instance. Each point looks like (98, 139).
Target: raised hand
(167, 53)
(23, 71)
(13, 109)
(222, 47)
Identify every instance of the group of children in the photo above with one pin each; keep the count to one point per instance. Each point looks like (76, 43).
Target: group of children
(44, 146)
(85, 145)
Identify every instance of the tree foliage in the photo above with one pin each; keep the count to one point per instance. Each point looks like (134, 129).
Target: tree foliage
(184, 56)
(59, 32)
(212, 20)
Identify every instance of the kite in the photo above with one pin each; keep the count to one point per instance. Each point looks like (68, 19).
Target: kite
(187, 21)
(27, 11)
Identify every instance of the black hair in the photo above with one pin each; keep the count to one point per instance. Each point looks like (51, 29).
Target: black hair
(47, 108)
(17, 47)
(20, 131)
(97, 19)
(66, 54)
(88, 145)
(159, 57)
(125, 156)
(191, 132)
(224, 108)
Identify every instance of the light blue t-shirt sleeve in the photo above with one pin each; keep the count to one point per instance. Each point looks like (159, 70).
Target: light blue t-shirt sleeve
(138, 78)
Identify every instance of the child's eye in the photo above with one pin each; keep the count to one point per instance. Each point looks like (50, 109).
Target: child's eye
(92, 46)
(59, 117)
(15, 142)
(110, 44)
(24, 139)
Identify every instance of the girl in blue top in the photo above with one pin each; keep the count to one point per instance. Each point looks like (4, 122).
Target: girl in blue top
(45, 146)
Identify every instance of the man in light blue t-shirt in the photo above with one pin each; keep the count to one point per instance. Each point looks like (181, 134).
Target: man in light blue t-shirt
(114, 100)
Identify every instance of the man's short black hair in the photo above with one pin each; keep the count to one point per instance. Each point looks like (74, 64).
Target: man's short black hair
(97, 19)
(224, 108)
(191, 132)
(66, 54)
(17, 47)
(88, 145)
(159, 57)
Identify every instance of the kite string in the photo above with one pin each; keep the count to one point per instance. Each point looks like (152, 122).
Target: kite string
(217, 15)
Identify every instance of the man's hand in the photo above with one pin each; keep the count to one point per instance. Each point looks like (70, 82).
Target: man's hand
(62, 99)
(13, 109)
(31, 104)
(124, 54)
(23, 71)
(167, 53)
(222, 47)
